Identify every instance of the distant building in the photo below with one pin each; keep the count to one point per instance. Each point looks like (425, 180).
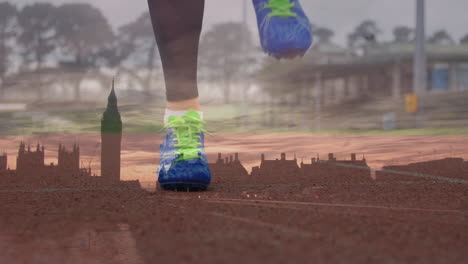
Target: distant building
(29, 161)
(3, 162)
(227, 168)
(384, 70)
(111, 142)
(276, 168)
(32, 172)
(31, 167)
(333, 170)
(69, 163)
(454, 168)
(329, 53)
(111, 139)
(4, 169)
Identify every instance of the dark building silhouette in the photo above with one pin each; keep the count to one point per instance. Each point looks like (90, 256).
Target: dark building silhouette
(32, 172)
(333, 170)
(111, 139)
(29, 161)
(228, 168)
(69, 162)
(455, 168)
(4, 169)
(3, 162)
(31, 169)
(280, 168)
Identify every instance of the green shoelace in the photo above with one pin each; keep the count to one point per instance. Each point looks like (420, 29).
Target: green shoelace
(187, 130)
(281, 8)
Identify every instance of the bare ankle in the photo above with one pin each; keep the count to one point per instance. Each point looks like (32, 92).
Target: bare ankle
(184, 105)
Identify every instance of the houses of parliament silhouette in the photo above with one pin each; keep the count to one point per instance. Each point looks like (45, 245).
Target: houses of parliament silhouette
(272, 170)
(32, 171)
(333, 170)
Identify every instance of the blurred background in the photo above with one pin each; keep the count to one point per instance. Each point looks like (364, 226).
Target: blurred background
(366, 71)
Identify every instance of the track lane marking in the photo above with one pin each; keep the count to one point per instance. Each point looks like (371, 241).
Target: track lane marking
(284, 229)
(341, 205)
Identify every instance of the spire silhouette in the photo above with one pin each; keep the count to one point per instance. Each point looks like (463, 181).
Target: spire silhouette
(111, 121)
(112, 99)
(111, 139)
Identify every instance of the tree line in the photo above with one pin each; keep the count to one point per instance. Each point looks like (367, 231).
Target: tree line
(77, 37)
(368, 32)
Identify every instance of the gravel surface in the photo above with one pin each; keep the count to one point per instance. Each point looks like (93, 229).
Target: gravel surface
(422, 222)
(289, 219)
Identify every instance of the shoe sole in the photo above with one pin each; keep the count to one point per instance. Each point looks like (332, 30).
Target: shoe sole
(289, 55)
(184, 186)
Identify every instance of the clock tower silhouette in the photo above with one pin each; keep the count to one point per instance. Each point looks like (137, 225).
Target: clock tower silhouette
(111, 139)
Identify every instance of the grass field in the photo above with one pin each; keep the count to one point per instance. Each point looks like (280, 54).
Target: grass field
(220, 118)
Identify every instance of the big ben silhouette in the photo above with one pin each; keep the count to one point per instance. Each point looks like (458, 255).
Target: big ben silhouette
(111, 139)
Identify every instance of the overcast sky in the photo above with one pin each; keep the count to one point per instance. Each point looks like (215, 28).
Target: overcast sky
(340, 15)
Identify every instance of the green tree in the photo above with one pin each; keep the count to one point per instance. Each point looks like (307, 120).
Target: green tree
(464, 40)
(136, 52)
(37, 38)
(441, 37)
(82, 32)
(365, 33)
(403, 34)
(324, 35)
(222, 57)
(8, 27)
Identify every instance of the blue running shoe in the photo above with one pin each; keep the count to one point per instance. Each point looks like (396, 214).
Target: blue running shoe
(284, 29)
(184, 166)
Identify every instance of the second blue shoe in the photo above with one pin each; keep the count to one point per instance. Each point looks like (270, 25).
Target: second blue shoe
(284, 29)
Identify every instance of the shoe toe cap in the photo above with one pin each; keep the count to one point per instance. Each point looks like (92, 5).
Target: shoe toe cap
(194, 171)
(284, 37)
